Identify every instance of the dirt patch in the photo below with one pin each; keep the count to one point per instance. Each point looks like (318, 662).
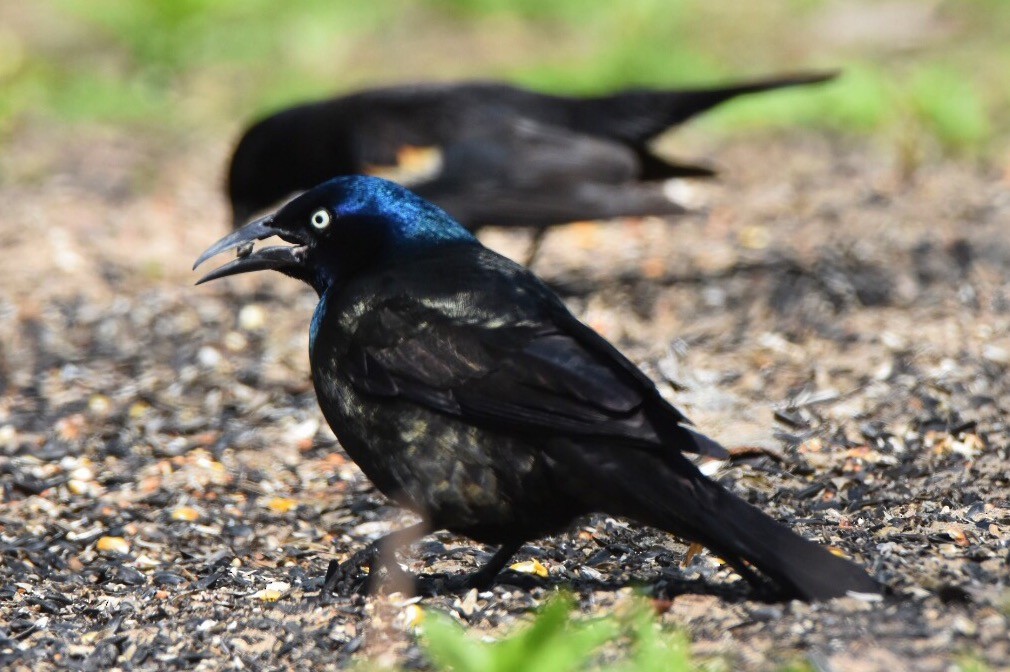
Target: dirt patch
(172, 496)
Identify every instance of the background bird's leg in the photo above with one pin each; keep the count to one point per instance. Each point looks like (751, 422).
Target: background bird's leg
(345, 577)
(484, 577)
(538, 239)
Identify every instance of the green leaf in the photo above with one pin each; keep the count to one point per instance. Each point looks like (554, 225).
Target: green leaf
(553, 642)
(572, 647)
(655, 651)
(449, 647)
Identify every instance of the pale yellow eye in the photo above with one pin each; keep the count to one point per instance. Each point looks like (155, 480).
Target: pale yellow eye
(321, 218)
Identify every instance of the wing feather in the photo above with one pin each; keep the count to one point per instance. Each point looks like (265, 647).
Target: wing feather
(552, 377)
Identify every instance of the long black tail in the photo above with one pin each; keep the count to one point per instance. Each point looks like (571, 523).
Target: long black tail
(667, 491)
(637, 116)
(740, 533)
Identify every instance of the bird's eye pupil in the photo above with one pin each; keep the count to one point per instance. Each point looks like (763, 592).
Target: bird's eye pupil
(320, 219)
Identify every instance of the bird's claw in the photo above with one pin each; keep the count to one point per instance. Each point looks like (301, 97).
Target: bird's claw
(349, 577)
(345, 578)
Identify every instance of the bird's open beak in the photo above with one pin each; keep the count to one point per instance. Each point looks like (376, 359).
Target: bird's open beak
(279, 258)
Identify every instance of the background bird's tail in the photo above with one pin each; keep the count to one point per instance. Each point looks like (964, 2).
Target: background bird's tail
(637, 116)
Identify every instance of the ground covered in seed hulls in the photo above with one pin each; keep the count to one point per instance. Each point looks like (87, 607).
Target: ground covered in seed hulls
(171, 497)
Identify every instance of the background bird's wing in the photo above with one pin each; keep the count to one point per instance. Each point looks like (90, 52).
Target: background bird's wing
(491, 148)
(512, 170)
(540, 378)
(546, 155)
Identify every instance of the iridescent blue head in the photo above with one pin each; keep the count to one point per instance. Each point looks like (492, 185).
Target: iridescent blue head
(338, 229)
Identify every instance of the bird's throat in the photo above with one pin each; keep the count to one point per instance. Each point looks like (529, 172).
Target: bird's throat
(317, 320)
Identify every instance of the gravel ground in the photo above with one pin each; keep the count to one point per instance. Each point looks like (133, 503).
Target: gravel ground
(171, 497)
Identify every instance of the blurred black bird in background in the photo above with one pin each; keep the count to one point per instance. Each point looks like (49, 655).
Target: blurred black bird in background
(487, 153)
(466, 391)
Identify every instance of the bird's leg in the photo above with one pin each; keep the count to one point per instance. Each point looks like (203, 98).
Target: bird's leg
(484, 577)
(379, 554)
(538, 239)
(384, 556)
(745, 571)
(762, 588)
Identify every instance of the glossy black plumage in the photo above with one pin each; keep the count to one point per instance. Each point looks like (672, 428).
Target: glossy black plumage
(487, 153)
(465, 390)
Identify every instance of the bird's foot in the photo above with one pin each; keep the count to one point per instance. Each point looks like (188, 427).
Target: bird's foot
(396, 580)
(461, 583)
(361, 574)
(433, 585)
(348, 577)
(485, 577)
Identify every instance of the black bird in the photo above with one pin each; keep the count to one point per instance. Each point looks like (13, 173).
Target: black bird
(466, 391)
(487, 153)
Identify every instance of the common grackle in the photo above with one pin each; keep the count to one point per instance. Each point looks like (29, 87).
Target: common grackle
(487, 153)
(466, 391)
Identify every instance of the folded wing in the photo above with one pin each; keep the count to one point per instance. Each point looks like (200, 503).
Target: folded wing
(545, 378)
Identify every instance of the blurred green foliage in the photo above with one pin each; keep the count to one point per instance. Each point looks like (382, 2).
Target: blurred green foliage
(557, 642)
(935, 70)
(971, 663)
(559, 639)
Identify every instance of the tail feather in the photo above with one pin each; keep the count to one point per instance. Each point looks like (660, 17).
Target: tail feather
(668, 492)
(635, 117)
(737, 531)
(663, 489)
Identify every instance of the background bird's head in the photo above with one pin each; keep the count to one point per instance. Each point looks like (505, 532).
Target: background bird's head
(338, 229)
(284, 154)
